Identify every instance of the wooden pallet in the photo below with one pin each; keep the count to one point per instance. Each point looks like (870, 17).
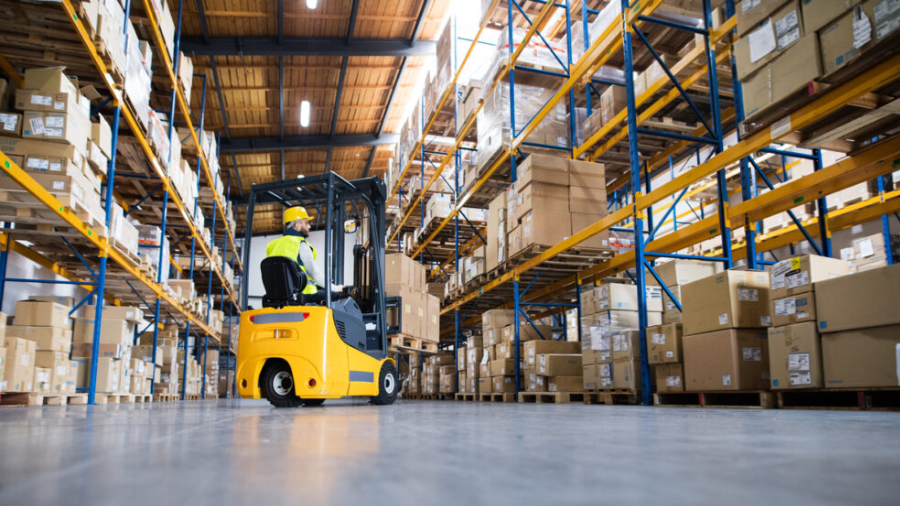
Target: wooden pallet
(41, 399)
(409, 343)
(497, 397)
(166, 397)
(612, 397)
(101, 398)
(551, 397)
(435, 397)
(756, 399)
(873, 399)
(465, 397)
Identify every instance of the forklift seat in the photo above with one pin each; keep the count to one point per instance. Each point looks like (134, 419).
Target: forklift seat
(284, 282)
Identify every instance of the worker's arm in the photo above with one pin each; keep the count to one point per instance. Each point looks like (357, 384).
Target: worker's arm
(313, 269)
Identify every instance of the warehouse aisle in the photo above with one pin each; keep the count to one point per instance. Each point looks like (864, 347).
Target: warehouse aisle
(431, 453)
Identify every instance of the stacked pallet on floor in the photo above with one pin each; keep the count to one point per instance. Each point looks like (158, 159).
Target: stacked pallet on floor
(418, 316)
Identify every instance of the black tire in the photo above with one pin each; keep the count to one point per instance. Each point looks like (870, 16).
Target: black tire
(278, 386)
(388, 385)
(310, 403)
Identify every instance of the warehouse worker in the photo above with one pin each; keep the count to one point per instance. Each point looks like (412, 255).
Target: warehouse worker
(294, 245)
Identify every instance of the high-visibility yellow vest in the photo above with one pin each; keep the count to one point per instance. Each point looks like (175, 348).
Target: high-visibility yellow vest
(288, 246)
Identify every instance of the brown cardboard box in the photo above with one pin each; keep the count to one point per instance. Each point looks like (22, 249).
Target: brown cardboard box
(106, 350)
(768, 40)
(865, 299)
(527, 332)
(41, 382)
(461, 359)
(670, 378)
(581, 221)
(70, 128)
(839, 45)
(543, 197)
(497, 318)
(503, 384)
(671, 313)
(42, 314)
(112, 331)
(484, 371)
(587, 199)
(565, 384)
(19, 371)
(539, 347)
(538, 168)
(128, 313)
(679, 272)
(819, 13)
(796, 275)
(751, 12)
(475, 342)
(473, 357)
(42, 101)
(620, 319)
(861, 358)
(590, 376)
(626, 373)
(664, 343)
(503, 367)
(559, 364)
(795, 356)
(536, 382)
(545, 228)
(515, 240)
(793, 70)
(612, 101)
(507, 350)
(733, 359)
(46, 338)
(731, 299)
(58, 364)
(432, 324)
(586, 174)
(620, 296)
(11, 124)
(496, 248)
(794, 309)
(2, 361)
(108, 375)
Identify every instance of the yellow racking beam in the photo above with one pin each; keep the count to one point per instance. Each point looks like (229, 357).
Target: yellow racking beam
(42, 195)
(186, 112)
(868, 81)
(440, 105)
(600, 51)
(14, 76)
(138, 133)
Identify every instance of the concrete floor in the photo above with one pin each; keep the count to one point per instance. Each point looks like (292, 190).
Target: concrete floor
(436, 453)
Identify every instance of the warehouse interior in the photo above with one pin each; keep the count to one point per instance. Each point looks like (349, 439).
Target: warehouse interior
(433, 251)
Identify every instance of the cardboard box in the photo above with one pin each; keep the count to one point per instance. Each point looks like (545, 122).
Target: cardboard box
(544, 197)
(581, 221)
(108, 374)
(731, 299)
(796, 275)
(612, 101)
(586, 174)
(768, 40)
(112, 331)
(101, 135)
(795, 356)
(626, 361)
(669, 378)
(70, 128)
(794, 309)
(819, 13)
(2, 361)
(733, 359)
(865, 299)
(541, 347)
(680, 272)
(106, 350)
(590, 376)
(751, 12)
(503, 367)
(671, 313)
(791, 71)
(127, 313)
(565, 384)
(497, 318)
(496, 248)
(545, 228)
(527, 332)
(19, 368)
(11, 124)
(620, 296)
(57, 363)
(841, 46)
(41, 382)
(559, 364)
(664, 343)
(503, 385)
(45, 338)
(44, 314)
(618, 319)
(552, 170)
(861, 358)
(507, 350)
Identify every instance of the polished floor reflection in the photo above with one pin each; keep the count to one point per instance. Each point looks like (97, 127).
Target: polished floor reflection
(436, 453)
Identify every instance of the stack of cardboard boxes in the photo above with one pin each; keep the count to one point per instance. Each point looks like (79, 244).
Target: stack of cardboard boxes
(676, 273)
(116, 366)
(784, 45)
(551, 199)
(869, 252)
(795, 358)
(665, 355)
(553, 366)
(438, 374)
(46, 327)
(725, 341)
(420, 312)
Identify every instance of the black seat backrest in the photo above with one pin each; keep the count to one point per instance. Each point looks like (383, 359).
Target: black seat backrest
(283, 281)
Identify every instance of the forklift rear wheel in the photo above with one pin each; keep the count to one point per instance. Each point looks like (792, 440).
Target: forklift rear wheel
(278, 386)
(313, 402)
(387, 385)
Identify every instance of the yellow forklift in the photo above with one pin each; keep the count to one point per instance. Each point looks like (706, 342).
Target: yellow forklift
(293, 352)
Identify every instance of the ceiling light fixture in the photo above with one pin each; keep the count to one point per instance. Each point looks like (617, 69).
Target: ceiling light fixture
(304, 113)
(312, 4)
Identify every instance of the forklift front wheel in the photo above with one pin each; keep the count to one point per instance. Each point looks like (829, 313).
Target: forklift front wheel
(278, 386)
(387, 385)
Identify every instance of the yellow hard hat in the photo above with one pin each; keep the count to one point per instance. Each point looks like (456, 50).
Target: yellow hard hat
(295, 213)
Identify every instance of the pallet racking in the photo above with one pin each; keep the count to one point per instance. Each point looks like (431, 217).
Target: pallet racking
(103, 270)
(715, 158)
